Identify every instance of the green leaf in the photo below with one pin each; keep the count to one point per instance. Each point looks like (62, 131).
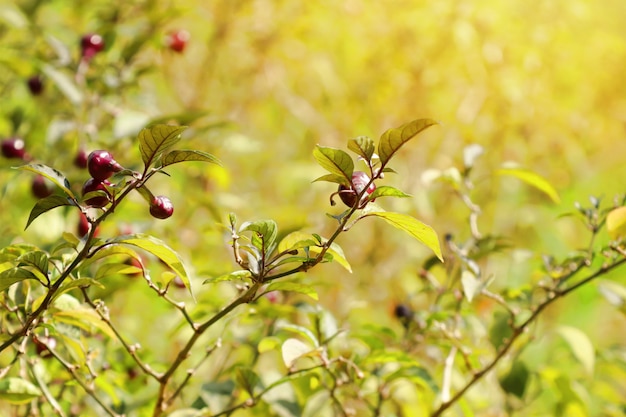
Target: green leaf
(185, 155)
(533, 179)
(336, 162)
(77, 283)
(157, 139)
(17, 390)
(394, 138)
(292, 349)
(412, 226)
(302, 331)
(47, 204)
(243, 275)
(248, 380)
(362, 146)
(516, 380)
(581, 346)
(37, 259)
(337, 253)
(500, 330)
(387, 191)
(159, 249)
(332, 178)
(267, 229)
(52, 174)
(83, 318)
(616, 222)
(297, 240)
(13, 275)
(416, 374)
(294, 287)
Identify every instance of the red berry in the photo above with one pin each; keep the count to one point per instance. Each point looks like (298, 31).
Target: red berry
(40, 187)
(93, 184)
(402, 311)
(177, 40)
(35, 84)
(80, 160)
(13, 148)
(101, 165)
(44, 344)
(161, 207)
(90, 45)
(359, 181)
(84, 226)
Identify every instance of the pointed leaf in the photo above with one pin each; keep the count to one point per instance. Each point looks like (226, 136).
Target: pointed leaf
(293, 287)
(52, 174)
(472, 286)
(265, 228)
(243, 275)
(83, 318)
(13, 275)
(362, 146)
(412, 226)
(533, 179)
(47, 204)
(394, 138)
(155, 140)
(333, 178)
(17, 390)
(293, 349)
(296, 240)
(335, 161)
(616, 222)
(159, 249)
(516, 380)
(37, 259)
(337, 253)
(387, 191)
(185, 155)
(581, 346)
(247, 379)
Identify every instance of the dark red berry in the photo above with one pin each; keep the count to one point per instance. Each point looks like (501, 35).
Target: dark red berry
(177, 40)
(161, 207)
(90, 45)
(43, 345)
(13, 148)
(98, 201)
(359, 181)
(403, 312)
(35, 85)
(101, 165)
(84, 226)
(40, 187)
(80, 159)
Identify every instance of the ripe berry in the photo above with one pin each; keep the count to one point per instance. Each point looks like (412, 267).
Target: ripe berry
(13, 148)
(161, 207)
(43, 345)
(93, 184)
(84, 226)
(80, 160)
(403, 312)
(40, 187)
(359, 181)
(35, 84)
(177, 40)
(90, 45)
(101, 165)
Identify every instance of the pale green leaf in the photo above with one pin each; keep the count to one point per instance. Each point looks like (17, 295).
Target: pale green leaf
(14, 275)
(267, 229)
(52, 174)
(394, 138)
(335, 161)
(362, 146)
(296, 240)
(581, 346)
(186, 155)
(533, 179)
(302, 331)
(387, 191)
(616, 222)
(17, 390)
(412, 226)
(83, 318)
(157, 139)
(293, 287)
(243, 275)
(472, 286)
(338, 179)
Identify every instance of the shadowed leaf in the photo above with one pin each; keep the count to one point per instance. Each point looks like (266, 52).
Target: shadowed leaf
(362, 146)
(185, 155)
(394, 138)
(52, 174)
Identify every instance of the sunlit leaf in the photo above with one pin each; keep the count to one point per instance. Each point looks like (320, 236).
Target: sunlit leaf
(296, 240)
(338, 179)
(52, 174)
(292, 349)
(13, 275)
(394, 138)
(616, 222)
(159, 249)
(243, 275)
(294, 287)
(388, 191)
(83, 318)
(581, 346)
(412, 226)
(37, 259)
(47, 204)
(516, 380)
(157, 139)
(185, 155)
(362, 146)
(533, 179)
(302, 331)
(17, 390)
(265, 228)
(335, 161)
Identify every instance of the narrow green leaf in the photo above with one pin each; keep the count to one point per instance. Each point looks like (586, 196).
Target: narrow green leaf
(388, 191)
(296, 240)
(516, 380)
(52, 174)
(335, 161)
(533, 179)
(581, 346)
(333, 178)
(243, 275)
(185, 155)
(267, 229)
(159, 249)
(47, 204)
(293, 287)
(13, 275)
(412, 226)
(362, 146)
(616, 222)
(83, 318)
(157, 139)
(17, 390)
(394, 138)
